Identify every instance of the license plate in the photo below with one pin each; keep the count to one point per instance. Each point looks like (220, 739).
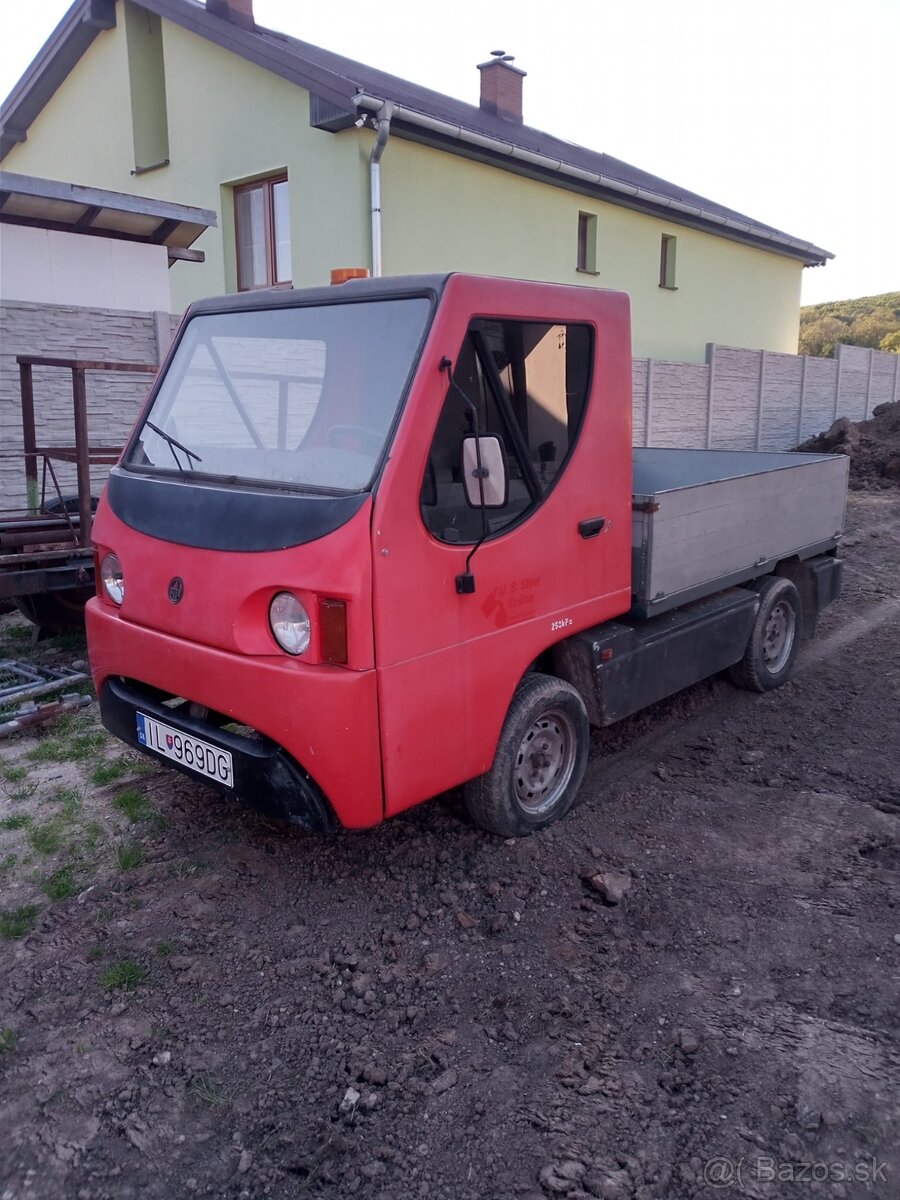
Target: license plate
(185, 749)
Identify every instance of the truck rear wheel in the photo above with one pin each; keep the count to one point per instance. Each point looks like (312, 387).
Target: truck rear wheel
(772, 650)
(59, 612)
(540, 760)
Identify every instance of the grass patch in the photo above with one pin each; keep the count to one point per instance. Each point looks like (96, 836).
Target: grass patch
(111, 770)
(68, 747)
(46, 838)
(133, 805)
(183, 868)
(97, 951)
(15, 821)
(164, 949)
(129, 855)
(9, 862)
(69, 799)
(61, 884)
(8, 1039)
(12, 773)
(21, 791)
(125, 974)
(16, 922)
(210, 1091)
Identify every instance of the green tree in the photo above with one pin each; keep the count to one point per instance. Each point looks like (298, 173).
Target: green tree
(820, 337)
(871, 328)
(891, 342)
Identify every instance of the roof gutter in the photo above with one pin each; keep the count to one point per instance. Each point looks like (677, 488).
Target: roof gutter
(814, 255)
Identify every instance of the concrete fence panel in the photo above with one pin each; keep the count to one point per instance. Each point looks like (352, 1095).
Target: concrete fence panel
(681, 393)
(735, 399)
(780, 410)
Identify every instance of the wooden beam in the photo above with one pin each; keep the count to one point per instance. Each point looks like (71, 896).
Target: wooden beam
(179, 254)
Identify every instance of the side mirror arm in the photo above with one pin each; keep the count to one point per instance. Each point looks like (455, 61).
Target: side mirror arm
(465, 583)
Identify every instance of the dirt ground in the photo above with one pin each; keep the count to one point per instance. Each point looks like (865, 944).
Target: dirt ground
(197, 1002)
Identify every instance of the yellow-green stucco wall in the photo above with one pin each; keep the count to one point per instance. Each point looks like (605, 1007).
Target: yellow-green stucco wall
(229, 121)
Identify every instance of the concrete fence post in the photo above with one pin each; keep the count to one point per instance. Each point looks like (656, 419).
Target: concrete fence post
(648, 406)
(869, 384)
(802, 400)
(895, 390)
(837, 383)
(162, 325)
(711, 385)
(759, 399)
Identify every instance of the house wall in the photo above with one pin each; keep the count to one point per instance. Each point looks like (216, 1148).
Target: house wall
(229, 121)
(444, 213)
(52, 267)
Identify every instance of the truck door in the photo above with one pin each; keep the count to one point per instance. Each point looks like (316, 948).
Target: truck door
(552, 560)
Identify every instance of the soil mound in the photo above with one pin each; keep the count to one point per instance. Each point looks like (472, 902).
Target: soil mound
(873, 447)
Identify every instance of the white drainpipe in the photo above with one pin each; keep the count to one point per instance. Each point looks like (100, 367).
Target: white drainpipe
(383, 124)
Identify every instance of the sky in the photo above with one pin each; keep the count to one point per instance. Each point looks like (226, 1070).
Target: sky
(786, 110)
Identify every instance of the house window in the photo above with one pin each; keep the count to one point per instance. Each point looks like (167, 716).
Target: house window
(528, 382)
(667, 262)
(587, 243)
(263, 231)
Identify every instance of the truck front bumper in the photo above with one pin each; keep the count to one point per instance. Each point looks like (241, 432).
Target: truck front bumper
(265, 777)
(314, 756)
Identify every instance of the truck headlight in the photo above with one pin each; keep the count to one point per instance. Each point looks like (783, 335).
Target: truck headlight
(290, 623)
(113, 578)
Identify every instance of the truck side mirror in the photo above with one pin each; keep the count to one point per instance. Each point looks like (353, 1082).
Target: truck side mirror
(484, 472)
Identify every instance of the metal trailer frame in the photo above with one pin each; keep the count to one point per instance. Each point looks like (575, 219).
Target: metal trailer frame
(42, 550)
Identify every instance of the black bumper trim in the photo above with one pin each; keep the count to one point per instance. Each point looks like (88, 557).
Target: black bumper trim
(266, 778)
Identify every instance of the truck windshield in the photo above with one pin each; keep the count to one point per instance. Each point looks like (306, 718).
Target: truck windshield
(303, 397)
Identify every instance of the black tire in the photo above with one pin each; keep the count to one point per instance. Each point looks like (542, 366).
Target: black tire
(772, 649)
(540, 760)
(60, 612)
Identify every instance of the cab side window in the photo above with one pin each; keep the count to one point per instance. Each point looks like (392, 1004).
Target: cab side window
(528, 383)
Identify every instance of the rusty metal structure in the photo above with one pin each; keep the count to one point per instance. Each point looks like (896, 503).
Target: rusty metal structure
(46, 563)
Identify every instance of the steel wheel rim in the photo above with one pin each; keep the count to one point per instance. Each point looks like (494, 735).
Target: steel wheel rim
(545, 761)
(778, 636)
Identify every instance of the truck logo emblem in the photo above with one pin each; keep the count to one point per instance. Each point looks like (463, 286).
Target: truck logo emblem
(176, 589)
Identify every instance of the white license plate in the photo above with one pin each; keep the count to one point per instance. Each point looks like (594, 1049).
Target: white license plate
(182, 748)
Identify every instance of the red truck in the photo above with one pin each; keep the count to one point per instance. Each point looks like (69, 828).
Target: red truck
(372, 542)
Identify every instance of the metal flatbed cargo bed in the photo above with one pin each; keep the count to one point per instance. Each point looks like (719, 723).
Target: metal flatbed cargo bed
(709, 519)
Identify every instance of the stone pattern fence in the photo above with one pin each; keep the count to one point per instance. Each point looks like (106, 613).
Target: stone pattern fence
(757, 399)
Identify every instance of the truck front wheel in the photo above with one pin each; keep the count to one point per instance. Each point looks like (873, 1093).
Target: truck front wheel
(772, 650)
(540, 760)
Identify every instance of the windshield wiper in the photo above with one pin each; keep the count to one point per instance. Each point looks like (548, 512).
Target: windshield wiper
(173, 443)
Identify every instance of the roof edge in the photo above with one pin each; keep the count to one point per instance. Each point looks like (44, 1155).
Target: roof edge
(79, 26)
(778, 242)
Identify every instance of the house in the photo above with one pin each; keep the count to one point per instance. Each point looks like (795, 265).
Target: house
(313, 161)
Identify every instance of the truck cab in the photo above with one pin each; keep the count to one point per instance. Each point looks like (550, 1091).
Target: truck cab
(363, 538)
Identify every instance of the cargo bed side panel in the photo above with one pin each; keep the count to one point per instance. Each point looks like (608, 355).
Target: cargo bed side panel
(691, 540)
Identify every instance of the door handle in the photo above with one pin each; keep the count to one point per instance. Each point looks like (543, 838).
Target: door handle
(591, 527)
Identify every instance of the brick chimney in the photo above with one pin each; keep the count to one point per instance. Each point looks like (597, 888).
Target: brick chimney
(501, 86)
(238, 12)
